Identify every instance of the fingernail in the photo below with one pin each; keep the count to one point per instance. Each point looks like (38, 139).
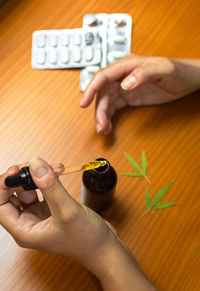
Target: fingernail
(81, 102)
(59, 168)
(128, 83)
(38, 167)
(98, 127)
(13, 168)
(60, 165)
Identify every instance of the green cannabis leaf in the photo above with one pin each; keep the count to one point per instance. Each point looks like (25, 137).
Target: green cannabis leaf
(144, 162)
(165, 205)
(132, 174)
(142, 172)
(159, 196)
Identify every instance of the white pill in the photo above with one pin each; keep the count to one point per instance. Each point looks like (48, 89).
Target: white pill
(76, 55)
(76, 39)
(53, 57)
(53, 40)
(65, 56)
(117, 54)
(112, 31)
(88, 53)
(92, 69)
(119, 39)
(41, 57)
(65, 39)
(97, 55)
(41, 40)
(99, 45)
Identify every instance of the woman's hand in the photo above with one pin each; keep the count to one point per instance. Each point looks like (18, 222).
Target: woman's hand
(61, 225)
(139, 80)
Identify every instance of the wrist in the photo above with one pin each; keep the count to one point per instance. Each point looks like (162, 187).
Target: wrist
(118, 270)
(188, 73)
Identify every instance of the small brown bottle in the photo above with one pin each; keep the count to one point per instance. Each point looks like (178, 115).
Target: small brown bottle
(98, 187)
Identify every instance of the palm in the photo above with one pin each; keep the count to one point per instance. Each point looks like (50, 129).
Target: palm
(34, 214)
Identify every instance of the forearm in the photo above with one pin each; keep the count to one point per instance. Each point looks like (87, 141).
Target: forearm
(121, 272)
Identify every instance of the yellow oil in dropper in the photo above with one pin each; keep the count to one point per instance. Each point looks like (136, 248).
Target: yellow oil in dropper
(93, 165)
(83, 167)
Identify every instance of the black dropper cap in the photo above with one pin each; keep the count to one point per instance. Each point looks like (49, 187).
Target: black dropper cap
(23, 179)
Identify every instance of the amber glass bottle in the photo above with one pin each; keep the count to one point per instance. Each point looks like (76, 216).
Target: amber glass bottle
(98, 187)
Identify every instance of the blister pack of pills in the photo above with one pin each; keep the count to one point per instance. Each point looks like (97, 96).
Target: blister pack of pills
(66, 48)
(115, 31)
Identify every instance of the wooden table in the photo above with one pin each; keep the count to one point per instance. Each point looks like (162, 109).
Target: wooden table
(40, 116)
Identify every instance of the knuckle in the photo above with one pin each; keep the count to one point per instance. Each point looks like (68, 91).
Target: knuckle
(49, 182)
(100, 75)
(22, 236)
(168, 64)
(21, 239)
(70, 217)
(21, 243)
(132, 55)
(96, 74)
(136, 59)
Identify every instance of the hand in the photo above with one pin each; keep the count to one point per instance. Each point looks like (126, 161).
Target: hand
(61, 225)
(139, 80)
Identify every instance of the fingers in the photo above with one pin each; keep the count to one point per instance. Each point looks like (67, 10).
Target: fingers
(151, 70)
(15, 201)
(101, 116)
(9, 206)
(5, 193)
(113, 72)
(108, 101)
(58, 199)
(106, 126)
(52, 189)
(129, 82)
(27, 198)
(132, 71)
(58, 168)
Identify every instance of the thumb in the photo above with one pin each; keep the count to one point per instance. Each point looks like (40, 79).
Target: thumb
(58, 199)
(151, 70)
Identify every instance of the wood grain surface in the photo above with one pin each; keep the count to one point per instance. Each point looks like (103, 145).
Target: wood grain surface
(40, 116)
